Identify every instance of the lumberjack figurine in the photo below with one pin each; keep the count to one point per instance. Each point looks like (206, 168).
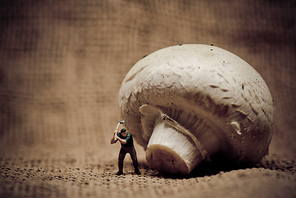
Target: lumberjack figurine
(127, 146)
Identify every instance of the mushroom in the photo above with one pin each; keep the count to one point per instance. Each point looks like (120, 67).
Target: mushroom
(185, 103)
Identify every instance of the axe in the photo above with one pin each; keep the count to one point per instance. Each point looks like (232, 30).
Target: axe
(117, 127)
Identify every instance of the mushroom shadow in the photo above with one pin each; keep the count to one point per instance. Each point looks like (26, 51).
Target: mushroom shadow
(205, 168)
(217, 164)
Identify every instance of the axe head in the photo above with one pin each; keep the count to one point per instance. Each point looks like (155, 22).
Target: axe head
(121, 122)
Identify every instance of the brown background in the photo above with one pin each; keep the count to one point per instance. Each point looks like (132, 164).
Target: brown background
(61, 66)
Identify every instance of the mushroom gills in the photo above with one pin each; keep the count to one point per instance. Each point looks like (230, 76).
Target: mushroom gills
(172, 149)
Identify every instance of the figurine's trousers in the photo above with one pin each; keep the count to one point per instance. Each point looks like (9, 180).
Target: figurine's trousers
(123, 151)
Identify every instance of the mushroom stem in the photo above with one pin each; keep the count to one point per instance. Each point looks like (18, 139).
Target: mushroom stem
(172, 149)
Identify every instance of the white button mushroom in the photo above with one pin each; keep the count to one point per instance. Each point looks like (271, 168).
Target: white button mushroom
(185, 103)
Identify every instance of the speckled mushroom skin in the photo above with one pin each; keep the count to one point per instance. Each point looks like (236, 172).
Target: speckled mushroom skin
(208, 84)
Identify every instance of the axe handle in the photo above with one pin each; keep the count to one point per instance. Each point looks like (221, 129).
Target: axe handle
(117, 127)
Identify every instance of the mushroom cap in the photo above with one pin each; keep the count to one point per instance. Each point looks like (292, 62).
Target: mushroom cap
(208, 83)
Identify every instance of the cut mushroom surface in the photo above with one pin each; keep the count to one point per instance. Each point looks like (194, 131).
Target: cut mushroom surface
(186, 103)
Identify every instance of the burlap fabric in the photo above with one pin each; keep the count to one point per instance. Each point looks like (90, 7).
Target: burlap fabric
(61, 66)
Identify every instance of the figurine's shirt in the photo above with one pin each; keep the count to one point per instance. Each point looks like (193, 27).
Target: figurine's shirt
(128, 139)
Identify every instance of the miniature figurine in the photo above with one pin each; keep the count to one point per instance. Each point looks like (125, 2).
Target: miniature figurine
(127, 146)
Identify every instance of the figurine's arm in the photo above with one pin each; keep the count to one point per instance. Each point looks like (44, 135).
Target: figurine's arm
(121, 140)
(113, 140)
